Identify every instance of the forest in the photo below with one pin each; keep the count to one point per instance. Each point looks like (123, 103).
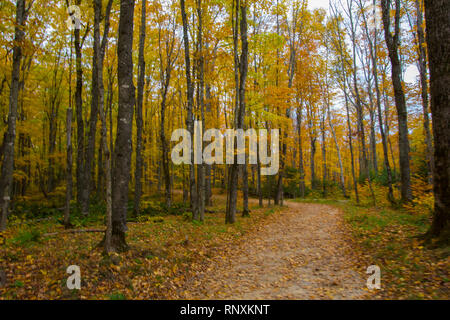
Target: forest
(92, 93)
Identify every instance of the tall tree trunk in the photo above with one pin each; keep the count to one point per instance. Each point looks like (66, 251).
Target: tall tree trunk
(422, 62)
(123, 147)
(343, 78)
(108, 182)
(190, 105)
(69, 159)
(208, 188)
(232, 183)
(241, 68)
(338, 150)
(437, 14)
(201, 172)
(6, 178)
(302, 186)
(105, 150)
(364, 166)
(165, 147)
(101, 104)
(373, 139)
(54, 102)
(245, 210)
(79, 115)
(373, 49)
(90, 150)
(350, 139)
(258, 170)
(140, 97)
(312, 140)
(324, 155)
(393, 42)
(165, 71)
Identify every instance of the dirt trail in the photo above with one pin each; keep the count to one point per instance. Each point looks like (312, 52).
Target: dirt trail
(299, 254)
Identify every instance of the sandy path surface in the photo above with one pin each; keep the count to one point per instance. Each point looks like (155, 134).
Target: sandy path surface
(299, 254)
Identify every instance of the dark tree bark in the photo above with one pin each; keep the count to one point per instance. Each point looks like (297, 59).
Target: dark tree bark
(208, 186)
(97, 101)
(437, 14)
(69, 158)
(166, 65)
(338, 150)
(190, 104)
(79, 114)
(101, 103)
(241, 68)
(324, 155)
(164, 146)
(258, 178)
(54, 102)
(201, 172)
(123, 146)
(105, 150)
(90, 149)
(245, 210)
(422, 63)
(312, 140)
(140, 97)
(6, 178)
(393, 43)
(232, 171)
(302, 186)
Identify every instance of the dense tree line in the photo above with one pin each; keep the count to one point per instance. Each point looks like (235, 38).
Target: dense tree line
(75, 126)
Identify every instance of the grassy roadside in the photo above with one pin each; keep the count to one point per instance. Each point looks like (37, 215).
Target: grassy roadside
(165, 252)
(389, 238)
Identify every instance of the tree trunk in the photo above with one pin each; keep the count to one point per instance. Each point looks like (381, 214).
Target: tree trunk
(393, 42)
(373, 48)
(343, 78)
(105, 150)
(165, 71)
(312, 140)
(140, 97)
(437, 14)
(190, 104)
(90, 150)
(123, 147)
(6, 177)
(338, 150)
(245, 210)
(422, 62)
(258, 169)
(79, 114)
(363, 168)
(241, 68)
(302, 186)
(164, 147)
(324, 155)
(201, 172)
(69, 160)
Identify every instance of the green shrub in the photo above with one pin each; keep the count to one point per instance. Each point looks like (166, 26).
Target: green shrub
(27, 237)
(117, 296)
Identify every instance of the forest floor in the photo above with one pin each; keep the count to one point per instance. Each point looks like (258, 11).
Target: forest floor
(303, 250)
